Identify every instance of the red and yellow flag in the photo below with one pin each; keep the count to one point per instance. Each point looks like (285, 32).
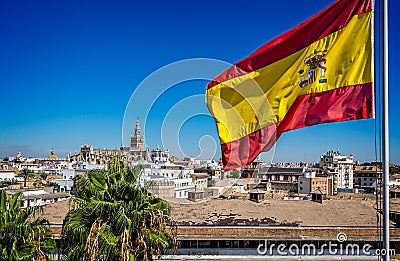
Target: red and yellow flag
(320, 71)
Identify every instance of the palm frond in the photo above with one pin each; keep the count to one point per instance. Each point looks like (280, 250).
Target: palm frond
(115, 219)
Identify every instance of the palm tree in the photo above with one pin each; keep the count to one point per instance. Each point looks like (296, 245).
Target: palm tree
(25, 173)
(21, 236)
(44, 175)
(114, 219)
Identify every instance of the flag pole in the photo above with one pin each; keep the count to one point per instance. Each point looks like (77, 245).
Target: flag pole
(385, 131)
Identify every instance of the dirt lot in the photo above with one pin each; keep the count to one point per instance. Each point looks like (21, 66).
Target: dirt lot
(268, 212)
(56, 212)
(276, 212)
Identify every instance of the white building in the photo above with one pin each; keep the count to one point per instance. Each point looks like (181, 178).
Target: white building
(200, 180)
(182, 187)
(179, 175)
(7, 175)
(66, 183)
(33, 167)
(159, 156)
(41, 197)
(365, 177)
(339, 167)
(82, 165)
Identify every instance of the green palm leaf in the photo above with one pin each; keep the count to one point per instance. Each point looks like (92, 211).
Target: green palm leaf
(22, 236)
(114, 219)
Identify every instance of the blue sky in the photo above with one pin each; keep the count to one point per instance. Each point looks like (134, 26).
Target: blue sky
(69, 68)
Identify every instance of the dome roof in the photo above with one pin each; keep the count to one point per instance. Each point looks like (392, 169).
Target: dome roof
(52, 155)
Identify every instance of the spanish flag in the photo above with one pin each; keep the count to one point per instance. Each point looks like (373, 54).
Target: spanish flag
(320, 71)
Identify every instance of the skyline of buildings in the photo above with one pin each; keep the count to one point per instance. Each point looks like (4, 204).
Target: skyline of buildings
(136, 151)
(196, 179)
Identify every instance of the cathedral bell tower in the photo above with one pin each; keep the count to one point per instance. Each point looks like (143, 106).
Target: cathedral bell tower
(137, 140)
(137, 150)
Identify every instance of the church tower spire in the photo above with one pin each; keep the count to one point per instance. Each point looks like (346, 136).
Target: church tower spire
(137, 140)
(137, 128)
(137, 150)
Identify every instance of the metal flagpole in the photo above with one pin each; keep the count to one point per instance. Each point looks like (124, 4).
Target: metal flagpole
(385, 131)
